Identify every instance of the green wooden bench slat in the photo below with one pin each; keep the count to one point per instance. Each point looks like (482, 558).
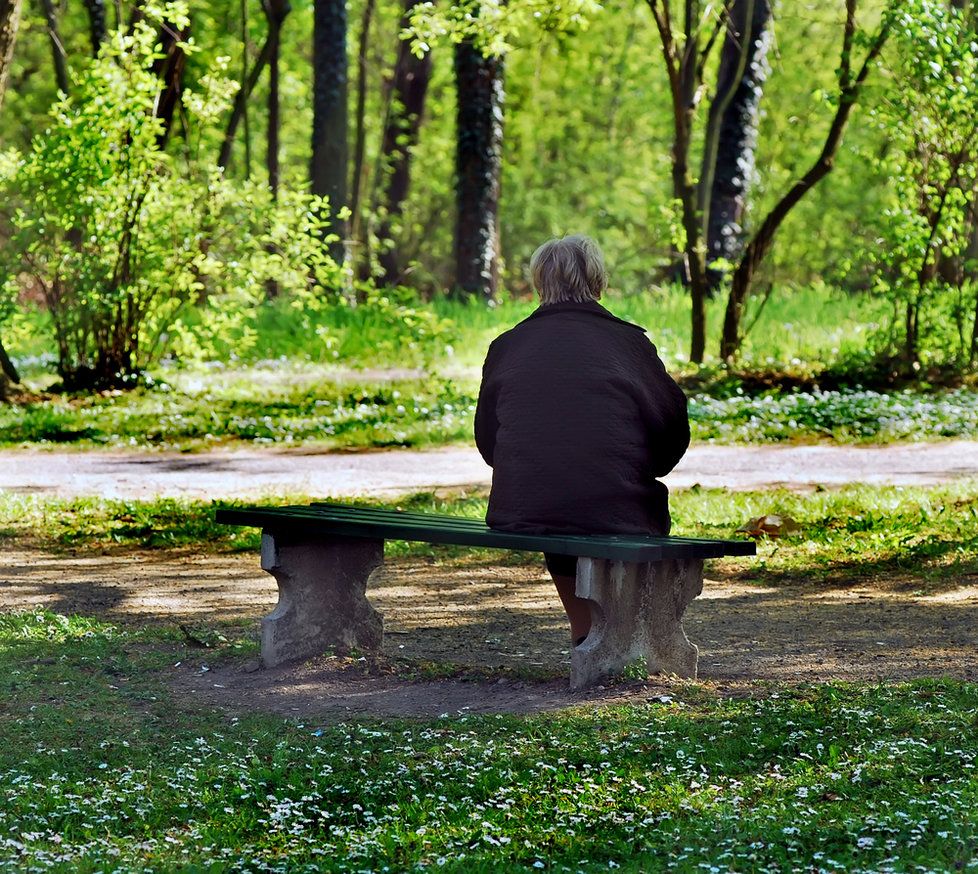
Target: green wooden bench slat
(742, 547)
(316, 523)
(370, 522)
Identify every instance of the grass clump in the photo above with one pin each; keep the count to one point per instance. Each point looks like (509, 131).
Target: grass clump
(212, 411)
(102, 768)
(921, 535)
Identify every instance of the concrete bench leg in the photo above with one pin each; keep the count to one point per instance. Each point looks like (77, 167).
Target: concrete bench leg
(637, 612)
(322, 600)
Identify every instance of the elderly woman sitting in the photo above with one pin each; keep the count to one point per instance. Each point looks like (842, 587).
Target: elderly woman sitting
(577, 417)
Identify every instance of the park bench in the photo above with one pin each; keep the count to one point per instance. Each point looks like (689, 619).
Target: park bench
(322, 554)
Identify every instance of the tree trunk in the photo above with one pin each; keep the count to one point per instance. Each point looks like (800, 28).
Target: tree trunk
(57, 46)
(911, 319)
(694, 255)
(729, 180)
(360, 123)
(478, 161)
(8, 373)
(757, 249)
(96, 23)
(9, 22)
(276, 12)
(170, 70)
(970, 267)
(685, 59)
(409, 90)
(244, 76)
(973, 357)
(329, 122)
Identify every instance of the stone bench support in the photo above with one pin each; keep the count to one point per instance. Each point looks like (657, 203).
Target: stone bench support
(636, 612)
(322, 596)
(637, 608)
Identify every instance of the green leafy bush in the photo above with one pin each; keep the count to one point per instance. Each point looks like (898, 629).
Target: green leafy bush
(931, 162)
(120, 238)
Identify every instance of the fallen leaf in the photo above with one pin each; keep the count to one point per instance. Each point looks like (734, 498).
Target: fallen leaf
(771, 525)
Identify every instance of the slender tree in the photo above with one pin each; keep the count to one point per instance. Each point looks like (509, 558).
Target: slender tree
(9, 24)
(244, 76)
(329, 119)
(402, 127)
(96, 23)
(276, 11)
(57, 46)
(478, 161)
(359, 169)
(850, 84)
(170, 68)
(686, 49)
(727, 178)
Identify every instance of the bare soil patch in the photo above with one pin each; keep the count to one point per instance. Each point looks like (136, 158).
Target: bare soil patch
(503, 628)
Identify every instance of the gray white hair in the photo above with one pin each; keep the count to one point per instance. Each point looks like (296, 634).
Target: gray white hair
(568, 269)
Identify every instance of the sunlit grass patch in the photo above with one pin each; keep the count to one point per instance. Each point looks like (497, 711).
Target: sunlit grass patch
(854, 534)
(217, 411)
(920, 535)
(851, 416)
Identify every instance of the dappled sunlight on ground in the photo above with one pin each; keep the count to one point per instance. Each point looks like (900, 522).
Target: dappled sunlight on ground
(496, 636)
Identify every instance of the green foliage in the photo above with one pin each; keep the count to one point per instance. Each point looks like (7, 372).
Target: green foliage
(492, 25)
(931, 162)
(120, 237)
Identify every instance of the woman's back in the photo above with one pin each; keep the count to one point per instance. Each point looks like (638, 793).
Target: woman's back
(577, 416)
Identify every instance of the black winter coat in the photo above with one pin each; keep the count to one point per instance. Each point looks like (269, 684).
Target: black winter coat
(577, 416)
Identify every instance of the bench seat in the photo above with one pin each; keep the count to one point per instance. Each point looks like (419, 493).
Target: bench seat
(321, 555)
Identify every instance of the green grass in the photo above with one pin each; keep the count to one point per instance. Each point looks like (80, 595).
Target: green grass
(403, 373)
(856, 534)
(102, 768)
(806, 327)
(225, 409)
(197, 412)
(799, 329)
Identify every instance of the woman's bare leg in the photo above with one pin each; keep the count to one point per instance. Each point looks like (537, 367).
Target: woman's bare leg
(578, 609)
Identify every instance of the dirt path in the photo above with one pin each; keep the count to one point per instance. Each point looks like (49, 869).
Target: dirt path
(250, 473)
(501, 617)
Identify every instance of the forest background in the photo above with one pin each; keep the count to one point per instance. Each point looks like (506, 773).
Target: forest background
(786, 195)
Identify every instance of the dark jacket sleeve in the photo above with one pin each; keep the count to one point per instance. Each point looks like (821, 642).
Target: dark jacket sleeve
(486, 423)
(664, 412)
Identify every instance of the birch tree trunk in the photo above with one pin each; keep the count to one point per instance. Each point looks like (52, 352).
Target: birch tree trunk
(478, 161)
(9, 23)
(731, 177)
(401, 132)
(329, 122)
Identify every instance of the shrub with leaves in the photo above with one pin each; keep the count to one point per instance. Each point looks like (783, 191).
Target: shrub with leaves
(928, 118)
(122, 238)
